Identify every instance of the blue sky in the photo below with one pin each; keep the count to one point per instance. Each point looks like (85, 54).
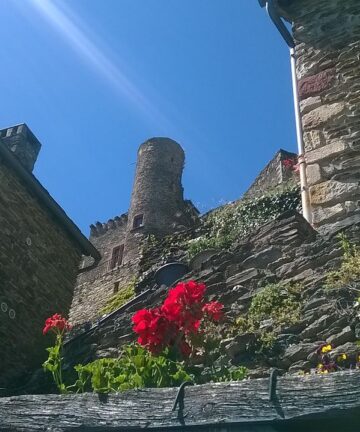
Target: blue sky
(93, 79)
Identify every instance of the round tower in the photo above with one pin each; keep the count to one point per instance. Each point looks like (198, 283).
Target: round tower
(157, 205)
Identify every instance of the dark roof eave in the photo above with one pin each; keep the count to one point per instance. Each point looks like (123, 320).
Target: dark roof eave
(86, 247)
(279, 3)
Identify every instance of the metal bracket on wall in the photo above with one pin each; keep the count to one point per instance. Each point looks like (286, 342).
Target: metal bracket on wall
(179, 400)
(272, 384)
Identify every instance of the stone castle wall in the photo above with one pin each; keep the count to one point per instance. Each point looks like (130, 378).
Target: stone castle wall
(95, 286)
(274, 174)
(327, 35)
(158, 198)
(38, 267)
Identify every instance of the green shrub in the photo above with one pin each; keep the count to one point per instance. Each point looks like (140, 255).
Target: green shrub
(119, 299)
(234, 221)
(200, 244)
(349, 270)
(136, 368)
(280, 303)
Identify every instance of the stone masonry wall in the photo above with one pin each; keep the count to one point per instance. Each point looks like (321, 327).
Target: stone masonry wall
(273, 175)
(38, 267)
(157, 193)
(95, 286)
(327, 34)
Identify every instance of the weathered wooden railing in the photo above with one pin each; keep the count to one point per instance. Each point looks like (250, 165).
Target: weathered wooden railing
(213, 406)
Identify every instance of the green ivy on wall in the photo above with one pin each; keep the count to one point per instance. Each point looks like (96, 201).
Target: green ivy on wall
(119, 299)
(234, 221)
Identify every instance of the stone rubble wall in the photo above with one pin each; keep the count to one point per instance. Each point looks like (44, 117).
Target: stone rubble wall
(287, 249)
(38, 268)
(327, 34)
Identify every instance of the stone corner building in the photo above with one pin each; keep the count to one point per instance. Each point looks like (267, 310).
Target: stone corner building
(40, 251)
(327, 37)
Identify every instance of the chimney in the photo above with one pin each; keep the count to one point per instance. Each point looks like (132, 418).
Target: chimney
(22, 142)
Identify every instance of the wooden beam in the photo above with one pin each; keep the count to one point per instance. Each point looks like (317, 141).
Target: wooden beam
(246, 403)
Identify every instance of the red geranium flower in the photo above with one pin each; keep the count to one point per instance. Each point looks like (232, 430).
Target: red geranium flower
(180, 316)
(57, 324)
(214, 310)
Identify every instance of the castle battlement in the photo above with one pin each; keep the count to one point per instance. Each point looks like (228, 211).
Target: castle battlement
(101, 228)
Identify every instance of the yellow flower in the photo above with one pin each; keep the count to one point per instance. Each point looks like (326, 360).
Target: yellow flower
(326, 348)
(342, 357)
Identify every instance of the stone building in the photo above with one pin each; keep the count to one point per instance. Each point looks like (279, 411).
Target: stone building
(286, 250)
(157, 208)
(40, 251)
(281, 169)
(327, 37)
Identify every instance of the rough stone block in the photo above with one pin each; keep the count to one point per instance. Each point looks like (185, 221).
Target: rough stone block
(332, 213)
(242, 277)
(315, 84)
(347, 335)
(322, 214)
(301, 365)
(314, 303)
(314, 174)
(316, 327)
(299, 352)
(330, 150)
(263, 258)
(332, 191)
(313, 139)
(309, 104)
(351, 349)
(319, 116)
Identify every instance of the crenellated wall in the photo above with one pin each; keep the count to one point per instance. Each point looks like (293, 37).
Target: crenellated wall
(327, 35)
(22, 143)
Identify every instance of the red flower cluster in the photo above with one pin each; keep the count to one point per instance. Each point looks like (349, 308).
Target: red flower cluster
(291, 164)
(56, 323)
(180, 315)
(214, 310)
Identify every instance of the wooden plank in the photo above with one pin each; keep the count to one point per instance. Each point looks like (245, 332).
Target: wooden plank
(242, 402)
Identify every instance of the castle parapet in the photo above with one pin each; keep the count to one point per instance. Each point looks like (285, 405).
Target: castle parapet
(23, 143)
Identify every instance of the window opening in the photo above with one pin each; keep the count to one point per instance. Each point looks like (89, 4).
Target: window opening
(117, 256)
(138, 221)
(116, 287)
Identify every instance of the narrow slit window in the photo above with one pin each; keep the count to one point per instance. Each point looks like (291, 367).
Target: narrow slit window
(138, 221)
(117, 256)
(116, 287)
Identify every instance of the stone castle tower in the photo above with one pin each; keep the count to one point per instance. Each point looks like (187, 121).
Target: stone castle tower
(157, 204)
(157, 207)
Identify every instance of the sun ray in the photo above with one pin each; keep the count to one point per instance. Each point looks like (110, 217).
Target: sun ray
(64, 21)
